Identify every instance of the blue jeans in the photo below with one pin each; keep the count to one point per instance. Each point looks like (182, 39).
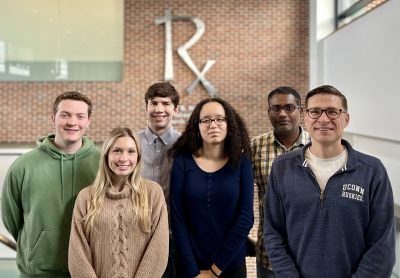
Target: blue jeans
(170, 271)
(263, 272)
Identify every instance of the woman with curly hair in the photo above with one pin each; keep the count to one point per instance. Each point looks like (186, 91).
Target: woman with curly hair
(120, 223)
(212, 192)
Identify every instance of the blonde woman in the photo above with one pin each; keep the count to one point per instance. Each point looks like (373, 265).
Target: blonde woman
(120, 223)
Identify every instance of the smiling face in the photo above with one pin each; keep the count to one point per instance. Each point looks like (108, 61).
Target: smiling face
(122, 157)
(284, 122)
(159, 113)
(70, 122)
(216, 132)
(324, 131)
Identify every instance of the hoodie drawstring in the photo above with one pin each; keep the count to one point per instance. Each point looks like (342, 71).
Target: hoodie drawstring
(73, 174)
(62, 178)
(73, 178)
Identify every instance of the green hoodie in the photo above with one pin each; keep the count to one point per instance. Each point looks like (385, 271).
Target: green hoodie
(38, 197)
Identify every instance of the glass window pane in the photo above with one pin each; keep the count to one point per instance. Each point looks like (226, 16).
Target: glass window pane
(345, 4)
(349, 10)
(66, 40)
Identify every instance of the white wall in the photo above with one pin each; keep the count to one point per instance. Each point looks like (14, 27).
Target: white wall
(387, 151)
(362, 60)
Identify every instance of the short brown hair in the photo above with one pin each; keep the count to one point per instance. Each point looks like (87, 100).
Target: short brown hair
(72, 95)
(327, 90)
(162, 89)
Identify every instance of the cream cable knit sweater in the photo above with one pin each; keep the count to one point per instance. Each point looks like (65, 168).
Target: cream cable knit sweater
(116, 246)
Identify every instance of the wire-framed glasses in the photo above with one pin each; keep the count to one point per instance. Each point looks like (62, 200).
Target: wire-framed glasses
(207, 122)
(331, 113)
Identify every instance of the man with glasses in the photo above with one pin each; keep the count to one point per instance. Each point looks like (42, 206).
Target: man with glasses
(329, 209)
(284, 111)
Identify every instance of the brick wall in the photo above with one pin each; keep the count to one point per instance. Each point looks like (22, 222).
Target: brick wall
(257, 44)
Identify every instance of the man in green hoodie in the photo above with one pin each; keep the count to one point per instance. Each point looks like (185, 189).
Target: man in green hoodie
(41, 186)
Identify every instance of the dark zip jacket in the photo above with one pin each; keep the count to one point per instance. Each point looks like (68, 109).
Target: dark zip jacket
(346, 231)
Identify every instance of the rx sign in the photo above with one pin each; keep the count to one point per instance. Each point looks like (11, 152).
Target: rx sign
(182, 52)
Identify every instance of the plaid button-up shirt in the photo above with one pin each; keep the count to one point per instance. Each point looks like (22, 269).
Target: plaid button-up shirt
(265, 148)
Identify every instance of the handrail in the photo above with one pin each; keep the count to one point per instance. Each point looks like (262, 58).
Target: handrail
(6, 241)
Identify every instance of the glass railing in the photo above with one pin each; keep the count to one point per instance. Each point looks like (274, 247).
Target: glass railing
(8, 267)
(8, 242)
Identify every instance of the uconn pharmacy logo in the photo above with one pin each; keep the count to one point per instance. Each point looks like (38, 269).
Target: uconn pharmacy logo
(353, 191)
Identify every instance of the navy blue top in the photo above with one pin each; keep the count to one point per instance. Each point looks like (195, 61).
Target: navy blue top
(211, 214)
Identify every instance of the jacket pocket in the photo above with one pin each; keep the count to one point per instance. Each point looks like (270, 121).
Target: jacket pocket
(50, 252)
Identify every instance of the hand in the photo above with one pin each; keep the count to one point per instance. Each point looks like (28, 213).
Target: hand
(205, 274)
(214, 269)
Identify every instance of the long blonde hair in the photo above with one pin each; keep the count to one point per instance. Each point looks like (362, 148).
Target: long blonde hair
(104, 179)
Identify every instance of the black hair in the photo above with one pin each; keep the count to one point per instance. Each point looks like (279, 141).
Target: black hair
(237, 141)
(287, 91)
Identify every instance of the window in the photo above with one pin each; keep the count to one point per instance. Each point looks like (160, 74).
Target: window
(348, 10)
(61, 40)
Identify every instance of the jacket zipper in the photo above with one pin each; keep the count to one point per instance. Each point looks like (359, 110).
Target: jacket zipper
(321, 193)
(321, 199)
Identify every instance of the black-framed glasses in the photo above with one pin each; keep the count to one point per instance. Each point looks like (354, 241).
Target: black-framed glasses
(331, 113)
(289, 108)
(207, 122)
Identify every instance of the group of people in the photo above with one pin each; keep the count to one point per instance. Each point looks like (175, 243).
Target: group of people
(158, 203)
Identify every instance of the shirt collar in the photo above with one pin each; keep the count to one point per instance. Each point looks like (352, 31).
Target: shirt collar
(352, 157)
(166, 138)
(303, 139)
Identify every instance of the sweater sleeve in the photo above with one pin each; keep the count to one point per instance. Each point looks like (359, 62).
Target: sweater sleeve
(179, 229)
(155, 257)
(379, 257)
(244, 221)
(11, 204)
(275, 231)
(79, 254)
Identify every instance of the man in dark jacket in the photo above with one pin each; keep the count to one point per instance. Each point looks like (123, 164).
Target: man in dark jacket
(329, 210)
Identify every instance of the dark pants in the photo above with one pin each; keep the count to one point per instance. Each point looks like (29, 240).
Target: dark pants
(170, 271)
(263, 272)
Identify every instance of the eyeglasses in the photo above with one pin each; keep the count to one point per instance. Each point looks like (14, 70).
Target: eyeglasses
(331, 113)
(207, 122)
(289, 108)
